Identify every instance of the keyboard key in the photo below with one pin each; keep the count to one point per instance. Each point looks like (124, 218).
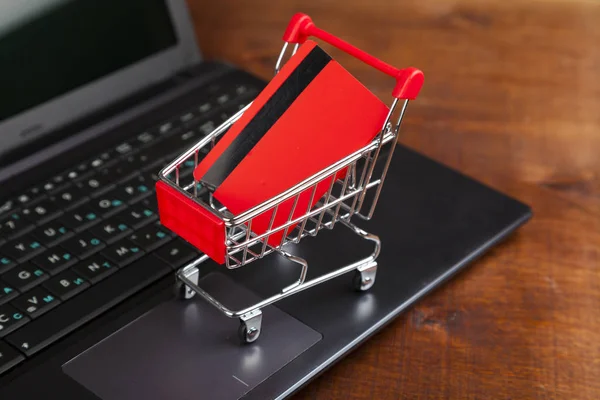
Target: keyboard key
(10, 319)
(7, 206)
(207, 128)
(150, 237)
(151, 203)
(35, 302)
(9, 357)
(7, 292)
(59, 180)
(164, 228)
(98, 182)
(146, 158)
(54, 260)
(83, 245)
(38, 334)
(14, 225)
(69, 197)
(35, 194)
(95, 268)
(6, 263)
(103, 160)
(66, 285)
(135, 188)
(143, 139)
(241, 89)
(123, 252)
(52, 185)
(23, 199)
(123, 170)
(83, 169)
(168, 128)
(109, 203)
(204, 107)
(42, 211)
(80, 218)
(52, 233)
(178, 143)
(223, 98)
(187, 117)
(22, 249)
(124, 148)
(137, 216)
(111, 230)
(152, 176)
(24, 277)
(177, 253)
(73, 175)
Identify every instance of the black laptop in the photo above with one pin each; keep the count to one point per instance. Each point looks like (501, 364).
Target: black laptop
(96, 96)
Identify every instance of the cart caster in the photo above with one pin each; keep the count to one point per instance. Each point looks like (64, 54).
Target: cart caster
(250, 326)
(364, 279)
(182, 290)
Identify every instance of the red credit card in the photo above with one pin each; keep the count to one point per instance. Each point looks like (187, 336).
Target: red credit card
(312, 114)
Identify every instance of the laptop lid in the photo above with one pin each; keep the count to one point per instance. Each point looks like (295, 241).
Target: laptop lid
(65, 59)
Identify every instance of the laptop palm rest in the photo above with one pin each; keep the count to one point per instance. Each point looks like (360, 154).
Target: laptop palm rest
(189, 350)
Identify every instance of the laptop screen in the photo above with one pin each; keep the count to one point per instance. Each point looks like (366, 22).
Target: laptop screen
(51, 47)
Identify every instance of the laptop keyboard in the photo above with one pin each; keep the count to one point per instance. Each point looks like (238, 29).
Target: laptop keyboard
(85, 239)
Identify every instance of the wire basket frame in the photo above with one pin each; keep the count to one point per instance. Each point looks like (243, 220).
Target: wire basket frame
(344, 199)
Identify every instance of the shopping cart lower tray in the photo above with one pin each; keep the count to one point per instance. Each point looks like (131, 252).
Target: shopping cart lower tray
(353, 183)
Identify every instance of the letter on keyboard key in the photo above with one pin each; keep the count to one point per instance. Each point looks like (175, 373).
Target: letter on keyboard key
(89, 304)
(109, 203)
(111, 230)
(24, 277)
(35, 302)
(137, 216)
(69, 197)
(83, 244)
(135, 188)
(81, 218)
(10, 319)
(41, 212)
(66, 285)
(96, 268)
(14, 225)
(22, 249)
(54, 260)
(7, 292)
(123, 252)
(9, 357)
(52, 233)
(6, 206)
(97, 183)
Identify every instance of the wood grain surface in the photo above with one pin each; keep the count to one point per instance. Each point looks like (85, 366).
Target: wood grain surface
(511, 98)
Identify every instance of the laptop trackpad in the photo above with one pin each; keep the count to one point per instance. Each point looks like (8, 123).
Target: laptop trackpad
(189, 350)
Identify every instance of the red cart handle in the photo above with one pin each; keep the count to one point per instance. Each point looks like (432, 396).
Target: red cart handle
(408, 80)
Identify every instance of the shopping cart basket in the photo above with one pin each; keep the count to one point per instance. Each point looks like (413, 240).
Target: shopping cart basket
(354, 185)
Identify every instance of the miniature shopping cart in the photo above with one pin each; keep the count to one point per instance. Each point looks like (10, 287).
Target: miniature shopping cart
(354, 185)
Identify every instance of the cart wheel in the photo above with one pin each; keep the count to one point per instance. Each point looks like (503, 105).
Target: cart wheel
(247, 335)
(362, 281)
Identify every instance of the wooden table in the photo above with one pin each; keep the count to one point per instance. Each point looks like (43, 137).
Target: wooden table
(511, 98)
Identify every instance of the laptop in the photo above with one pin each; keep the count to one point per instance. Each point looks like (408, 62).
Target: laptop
(98, 96)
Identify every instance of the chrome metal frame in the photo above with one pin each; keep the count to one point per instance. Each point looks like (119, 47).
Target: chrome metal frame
(350, 180)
